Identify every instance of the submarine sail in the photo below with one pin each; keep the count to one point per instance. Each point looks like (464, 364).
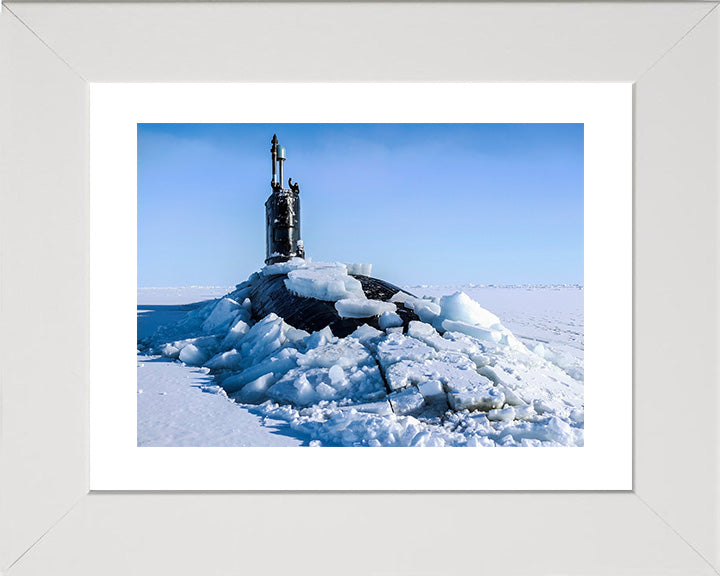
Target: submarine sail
(269, 292)
(282, 213)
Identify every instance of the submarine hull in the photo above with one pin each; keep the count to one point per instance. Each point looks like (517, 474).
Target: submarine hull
(269, 294)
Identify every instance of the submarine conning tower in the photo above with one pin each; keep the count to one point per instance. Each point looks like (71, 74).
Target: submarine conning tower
(268, 292)
(282, 213)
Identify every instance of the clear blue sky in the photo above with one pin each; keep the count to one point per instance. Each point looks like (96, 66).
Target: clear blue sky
(424, 203)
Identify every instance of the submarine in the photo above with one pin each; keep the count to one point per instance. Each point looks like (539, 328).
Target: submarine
(270, 294)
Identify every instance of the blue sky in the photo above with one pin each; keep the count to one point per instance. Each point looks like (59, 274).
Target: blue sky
(424, 203)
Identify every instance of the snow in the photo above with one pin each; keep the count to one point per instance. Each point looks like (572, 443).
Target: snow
(181, 406)
(460, 376)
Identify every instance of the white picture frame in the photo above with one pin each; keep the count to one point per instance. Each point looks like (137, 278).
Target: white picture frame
(668, 523)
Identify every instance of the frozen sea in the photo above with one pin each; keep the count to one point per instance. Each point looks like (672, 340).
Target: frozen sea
(181, 405)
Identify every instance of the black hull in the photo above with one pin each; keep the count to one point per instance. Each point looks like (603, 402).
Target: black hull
(269, 294)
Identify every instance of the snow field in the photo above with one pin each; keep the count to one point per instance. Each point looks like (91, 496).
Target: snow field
(547, 319)
(182, 406)
(458, 377)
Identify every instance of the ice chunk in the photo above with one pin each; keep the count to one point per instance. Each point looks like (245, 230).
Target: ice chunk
(407, 402)
(283, 267)
(318, 338)
(540, 407)
(397, 347)
(404, 373)
(229, 360)
(340, 353)
(366, 383)
(578, 416)
(277, 366)
(170, 351)
(203, 347)
(328, 282)
(336, 374)
(475, 399)
(523, 411)
(389, 319)
(379, 407)
(400, 297)
(363, 308)
(264, 338)
(295, 335)
(254, 390)
(303, 386)
(235, 334)
(359, 269)
(491, 336)
(460, 313)
(465, 379)
(559, 431)
(469, 390)
(222, 316)
(421, 331)
(432, 391)
(426, 310)
(462, 308)
(192, 355)
(510, 396)
(449, 369)
(501, 413)
(296, 387)
(365, 332)
(448, 342)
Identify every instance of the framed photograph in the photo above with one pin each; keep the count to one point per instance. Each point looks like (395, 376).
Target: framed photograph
(641, 80)
(325, 354)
